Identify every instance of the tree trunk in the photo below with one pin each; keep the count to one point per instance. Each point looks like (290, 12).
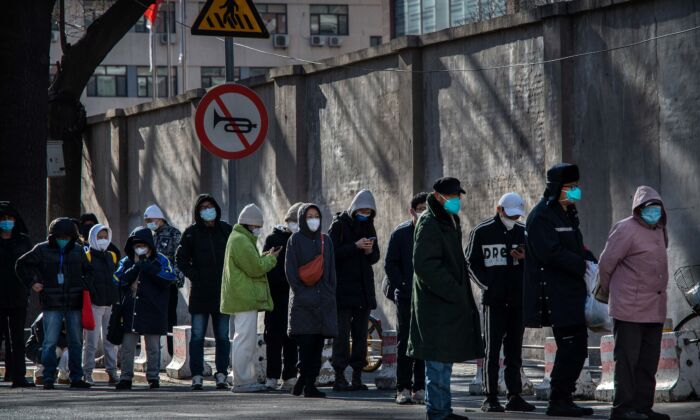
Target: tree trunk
(25, 37)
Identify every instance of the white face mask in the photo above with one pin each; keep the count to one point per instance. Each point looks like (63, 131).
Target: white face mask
(313, 224)
(102, 244)
(508, 223)
(256, 232)
(293, 227)
(141, 251)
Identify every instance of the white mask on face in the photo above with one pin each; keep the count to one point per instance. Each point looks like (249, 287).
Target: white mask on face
(141, 251)
(508, 223)
(256, 232)
(102, 244)
(313, 224)
(293, 227)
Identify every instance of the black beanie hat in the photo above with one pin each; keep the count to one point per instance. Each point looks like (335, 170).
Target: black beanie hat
(557, 176)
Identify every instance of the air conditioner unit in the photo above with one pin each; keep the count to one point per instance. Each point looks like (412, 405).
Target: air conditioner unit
(335, 41)
(54, 36)
(280, 41)
(317, 41)
(164, 38)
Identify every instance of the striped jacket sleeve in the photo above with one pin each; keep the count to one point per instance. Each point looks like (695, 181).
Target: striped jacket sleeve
(475, 259)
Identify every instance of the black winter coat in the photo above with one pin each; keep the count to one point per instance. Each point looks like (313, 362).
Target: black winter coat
(43, 263)
(491, 267)
(353, 267)
(105, 291)
(554, 289)
(13, 292)
(398, 263)
(200, 256)
(146, 312)
(277, 278)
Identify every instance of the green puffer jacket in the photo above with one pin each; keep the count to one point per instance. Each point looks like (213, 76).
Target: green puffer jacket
(445, 323)
(244, 286)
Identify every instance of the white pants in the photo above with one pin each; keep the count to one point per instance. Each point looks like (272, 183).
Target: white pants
(92, 338)
(243, 327)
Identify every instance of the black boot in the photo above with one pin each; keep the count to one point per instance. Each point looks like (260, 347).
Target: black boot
(562, 408)
(341, 384)
(310, 390)
(153, 383)
(357, 384)
(123, 385)
(298, 387)
(585, 410)
(22, 383)
(517, 403)
(492, 405)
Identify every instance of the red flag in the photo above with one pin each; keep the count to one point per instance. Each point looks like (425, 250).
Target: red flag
(152, 12)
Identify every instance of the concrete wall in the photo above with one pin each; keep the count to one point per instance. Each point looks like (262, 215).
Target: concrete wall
(627, 117)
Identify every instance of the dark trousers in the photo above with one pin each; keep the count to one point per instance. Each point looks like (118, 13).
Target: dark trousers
(503, 326)
(12, 329)
(572, 351)
(310, 349)
(172, 315)
(278, 344)
(407, 368)
(637, 350)
(351, 322)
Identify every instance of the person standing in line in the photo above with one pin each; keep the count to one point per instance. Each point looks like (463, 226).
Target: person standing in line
(166, 239)
(445, 326)
(554, 289)
(105, 294)
(244, 292)
(633, 277)
(356, 250)
(200, 257)
(14, 242)
(398, 265)
(277, 340)
(87, 221)
(312, 302)
(495, 257)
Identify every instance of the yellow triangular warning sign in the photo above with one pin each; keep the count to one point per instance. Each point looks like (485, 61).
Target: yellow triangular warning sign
(237, 18)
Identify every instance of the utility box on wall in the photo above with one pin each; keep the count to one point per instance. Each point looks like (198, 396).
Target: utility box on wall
(54, 159)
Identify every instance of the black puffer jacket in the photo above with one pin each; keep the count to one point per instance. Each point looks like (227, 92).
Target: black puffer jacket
(279, 287)
(201, 257)
(43, 263)
(353, 267)
(13, 293)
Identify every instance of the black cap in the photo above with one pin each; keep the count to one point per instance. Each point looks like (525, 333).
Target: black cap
(448, 185)
(563, 173)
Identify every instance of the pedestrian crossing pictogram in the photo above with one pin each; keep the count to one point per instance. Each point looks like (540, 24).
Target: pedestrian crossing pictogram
(237, 18)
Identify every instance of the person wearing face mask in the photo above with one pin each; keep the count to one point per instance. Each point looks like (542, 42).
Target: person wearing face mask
(200, 257)
(58, 270)
(104, 294)
(495, 262)
(356, 249)
(312, 302)
(244, 292)
(14, 242)
(87, 221)
(145, 277)
(633, 272)
(445, 326)
(554, 289)
(166, 239)
(398, 265)
(276, 338)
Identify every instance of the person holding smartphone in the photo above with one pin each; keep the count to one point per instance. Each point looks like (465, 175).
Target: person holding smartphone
(356, 251)
(495, 259)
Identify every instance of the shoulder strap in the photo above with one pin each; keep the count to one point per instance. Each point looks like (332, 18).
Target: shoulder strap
(114, 257)
(89, 256)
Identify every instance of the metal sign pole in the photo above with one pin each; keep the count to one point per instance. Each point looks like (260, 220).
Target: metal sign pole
(230, 78)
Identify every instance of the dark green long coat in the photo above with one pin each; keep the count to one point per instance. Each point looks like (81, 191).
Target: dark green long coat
(445, 323)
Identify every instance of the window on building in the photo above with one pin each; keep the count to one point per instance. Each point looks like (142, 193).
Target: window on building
(107, 81)
(144, 82)
(212, 76)
(329, 19)
(256, 71)
(375, 40)
(415, 17)
(274, 16)
(161, 22)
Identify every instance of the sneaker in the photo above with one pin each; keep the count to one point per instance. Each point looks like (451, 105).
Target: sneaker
(653, 415)
(271, 384)
(585, 410)
(113, 378)
(80, 384)
(123, 385)
(48, 385)
(221, 381)
(62, 381)
(288, 384)
(492, 405)
(403, 397)
(22, 383)
(153, 383)
(88, 378)
(561, 408)
(418, 397)
(244, 389)
(197, 383)
(517, 403)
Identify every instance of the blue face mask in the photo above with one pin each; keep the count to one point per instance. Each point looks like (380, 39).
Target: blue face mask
(62, 243)
(651, 214)
(452, 205)
(7, 225)
(361, 217)
(574, 194)
(208, 215)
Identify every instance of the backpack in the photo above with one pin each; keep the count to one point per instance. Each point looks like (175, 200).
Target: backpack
(89, 257)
